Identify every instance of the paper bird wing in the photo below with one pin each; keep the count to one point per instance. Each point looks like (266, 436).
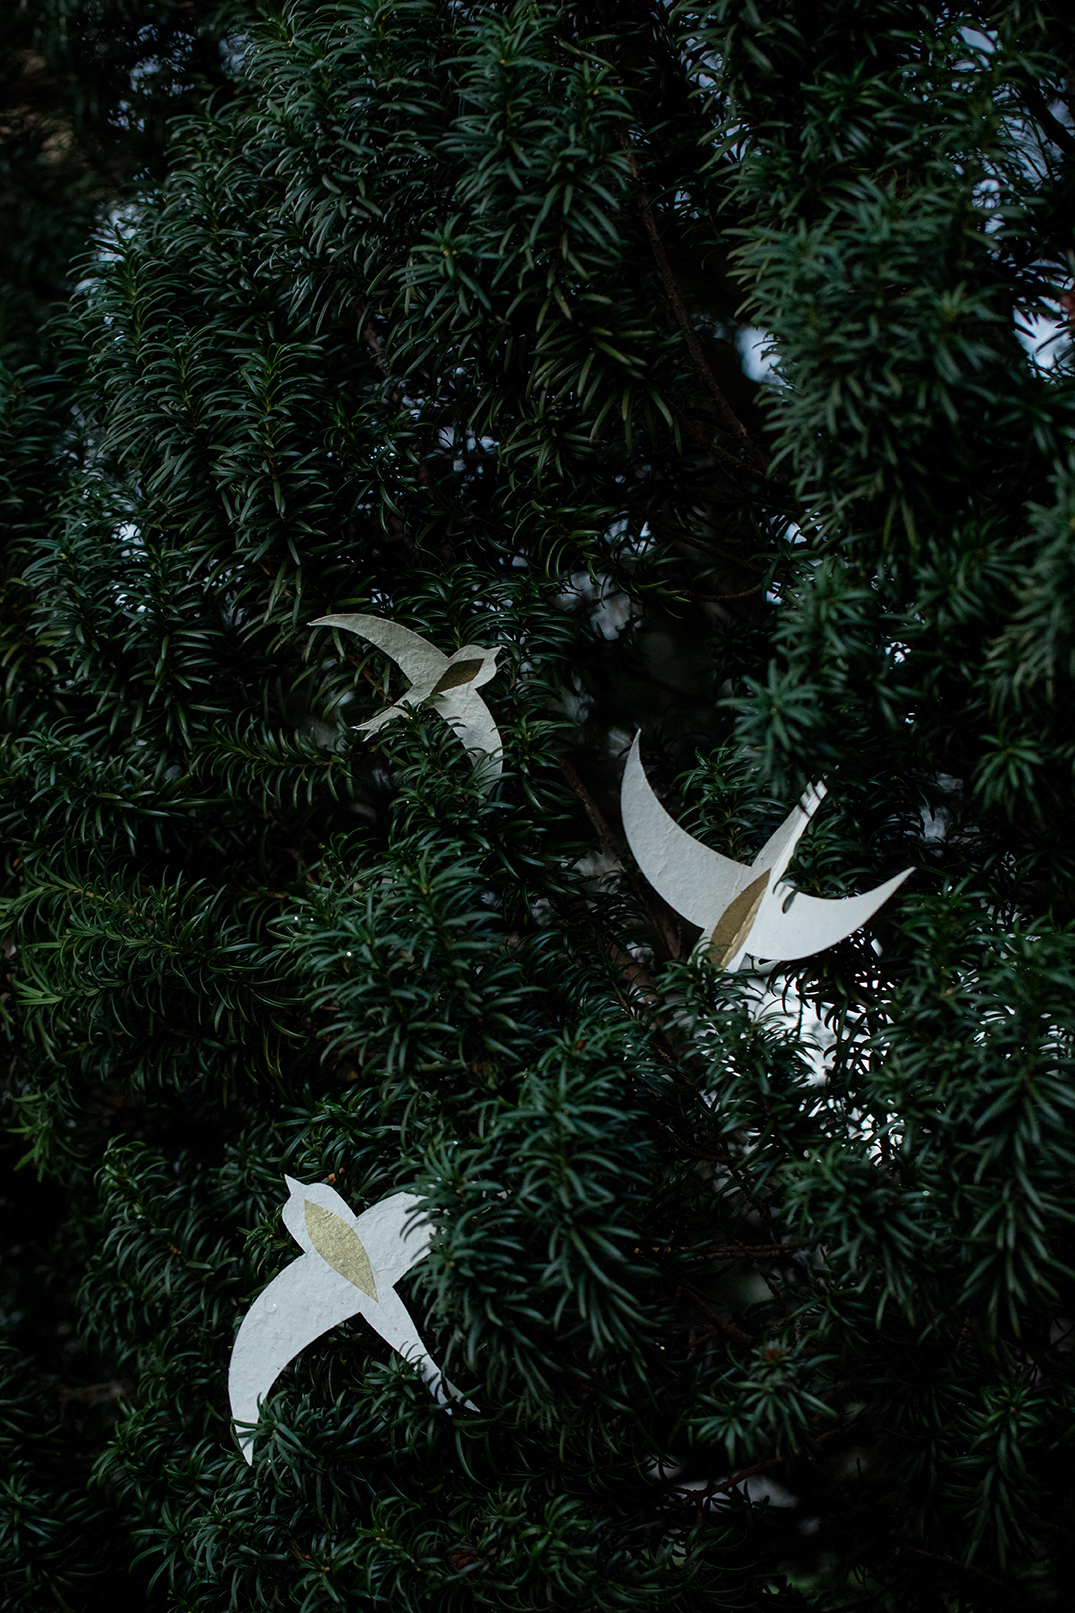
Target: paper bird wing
(397, 1328)
(394, 1322)
(416, 658)
(401, 708)
(777, 850)
(391, 1242)
(812, 923)
(305, 1301)
(697, 882)
(473, 723)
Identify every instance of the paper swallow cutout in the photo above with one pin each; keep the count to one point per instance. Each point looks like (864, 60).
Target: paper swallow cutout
(740, 908)
(349, 1267)
(449, 683)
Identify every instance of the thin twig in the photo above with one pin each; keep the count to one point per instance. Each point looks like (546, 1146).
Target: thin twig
(745, 1473)
(858, 1607)
(755, 1251)
(964, 1568)
(711, 449)
(683, 1291)
(772, 1462)
(689, 1148)
(726, 1161)
(1060, 136)
(679, 533)
(633, 972)
(396, 527)
(732, 424)
(713, 599)
(702, 439)
(617, 849)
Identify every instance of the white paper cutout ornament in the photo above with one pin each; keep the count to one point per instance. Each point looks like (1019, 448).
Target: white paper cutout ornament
(449, 683)
(348, 1267)
(741, 908)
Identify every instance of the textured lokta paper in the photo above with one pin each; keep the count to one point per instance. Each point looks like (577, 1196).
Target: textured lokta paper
(349, 1267)
(448, 683)
(741, 908)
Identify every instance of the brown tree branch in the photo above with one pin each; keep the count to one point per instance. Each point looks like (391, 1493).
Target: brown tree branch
(753, 1251)
(714, 599)
(680, 534)
(683, 1291)
(1058, 134)
(964, 1568)
(615, 847)
(729, 419)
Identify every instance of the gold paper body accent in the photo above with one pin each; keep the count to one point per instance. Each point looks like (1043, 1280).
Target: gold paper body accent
(734, 924)
(459, 672)
(340, 1247)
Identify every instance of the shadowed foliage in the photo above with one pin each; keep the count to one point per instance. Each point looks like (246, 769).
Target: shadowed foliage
(761, 1287)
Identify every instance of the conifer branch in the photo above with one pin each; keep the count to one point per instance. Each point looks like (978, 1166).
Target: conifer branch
(236, 950)
(729, 419)
(618, 849)
(720, 1322)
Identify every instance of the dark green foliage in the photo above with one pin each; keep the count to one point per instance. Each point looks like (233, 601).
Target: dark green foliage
(87, 91)
(435, 316)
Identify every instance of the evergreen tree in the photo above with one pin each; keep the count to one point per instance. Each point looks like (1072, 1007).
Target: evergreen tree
(87, 91)
(439, 317)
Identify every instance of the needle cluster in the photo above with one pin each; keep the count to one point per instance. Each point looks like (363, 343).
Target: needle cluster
(760, 1290)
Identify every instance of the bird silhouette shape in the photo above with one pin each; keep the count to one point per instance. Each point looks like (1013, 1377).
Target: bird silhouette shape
(349, 1267)
(741, 908)
(449, 683)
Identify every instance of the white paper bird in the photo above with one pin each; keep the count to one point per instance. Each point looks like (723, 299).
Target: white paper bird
(349, 1267)
(449, 683)
(740, 908)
